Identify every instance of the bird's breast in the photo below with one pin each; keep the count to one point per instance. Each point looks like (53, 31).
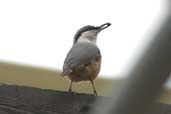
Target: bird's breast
(86, 72)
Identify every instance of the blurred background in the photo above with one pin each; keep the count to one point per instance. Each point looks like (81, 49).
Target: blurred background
(36, 35)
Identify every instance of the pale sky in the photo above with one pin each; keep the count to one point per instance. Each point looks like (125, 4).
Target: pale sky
(40, 32)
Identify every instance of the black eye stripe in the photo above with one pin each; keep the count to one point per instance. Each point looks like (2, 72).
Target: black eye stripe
(83, 29)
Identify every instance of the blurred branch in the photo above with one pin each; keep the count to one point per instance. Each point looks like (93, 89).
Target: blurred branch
(146, 78)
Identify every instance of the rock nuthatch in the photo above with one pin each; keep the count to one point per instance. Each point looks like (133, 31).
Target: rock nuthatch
(83, 61)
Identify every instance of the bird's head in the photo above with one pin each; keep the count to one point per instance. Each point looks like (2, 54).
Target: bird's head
(89, 33)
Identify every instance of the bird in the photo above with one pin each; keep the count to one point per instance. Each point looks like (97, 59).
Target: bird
(83, 61)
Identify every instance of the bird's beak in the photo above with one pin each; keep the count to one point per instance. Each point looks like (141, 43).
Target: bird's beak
(100, 28)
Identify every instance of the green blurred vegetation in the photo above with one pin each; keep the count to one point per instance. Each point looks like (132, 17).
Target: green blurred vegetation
(50, 79)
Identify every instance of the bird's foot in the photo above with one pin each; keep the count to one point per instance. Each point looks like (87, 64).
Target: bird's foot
(95, 93)
(70, 90)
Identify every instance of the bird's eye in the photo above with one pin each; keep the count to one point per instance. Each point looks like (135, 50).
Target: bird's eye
(97, 27)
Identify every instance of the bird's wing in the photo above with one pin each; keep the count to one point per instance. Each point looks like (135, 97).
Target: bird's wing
(80, 54)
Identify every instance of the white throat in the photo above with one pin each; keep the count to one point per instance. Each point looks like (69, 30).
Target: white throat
(86, 40)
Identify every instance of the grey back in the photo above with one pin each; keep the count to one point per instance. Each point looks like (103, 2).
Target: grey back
(81, 53)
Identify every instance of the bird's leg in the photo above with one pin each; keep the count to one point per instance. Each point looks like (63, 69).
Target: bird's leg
(70, 87)
(95, 92)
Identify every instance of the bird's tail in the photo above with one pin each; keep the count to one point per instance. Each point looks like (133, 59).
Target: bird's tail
(66, 71)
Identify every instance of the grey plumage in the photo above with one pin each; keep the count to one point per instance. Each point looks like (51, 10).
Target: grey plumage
(80, 54)
(83, 61)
